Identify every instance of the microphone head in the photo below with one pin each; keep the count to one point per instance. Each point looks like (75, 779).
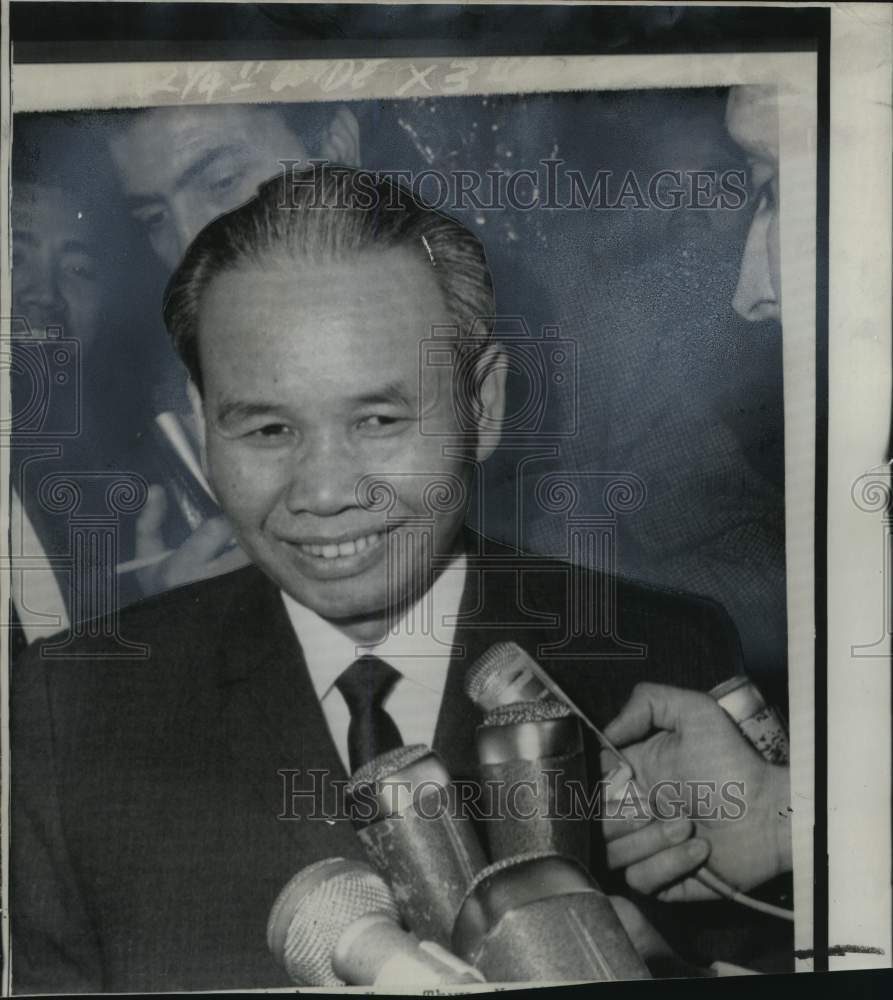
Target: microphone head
(518, 712)
(387, 764)
(315, 909)
(501, 676)
(389, 782)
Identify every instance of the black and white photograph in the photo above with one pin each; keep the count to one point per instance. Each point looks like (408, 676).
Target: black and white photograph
(446, 494)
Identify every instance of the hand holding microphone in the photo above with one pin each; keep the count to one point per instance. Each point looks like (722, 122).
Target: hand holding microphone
(728, 804)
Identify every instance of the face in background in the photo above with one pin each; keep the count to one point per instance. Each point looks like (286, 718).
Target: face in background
(56, 277)
(182, 167)
(311, 381)
(752, 120)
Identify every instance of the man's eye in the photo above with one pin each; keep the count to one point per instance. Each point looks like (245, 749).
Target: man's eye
(223, 184)
(150, 218)
(270, 434)
(379, 423)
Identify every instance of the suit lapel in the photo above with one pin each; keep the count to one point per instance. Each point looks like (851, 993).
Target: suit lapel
(490, 612)
(272, 722)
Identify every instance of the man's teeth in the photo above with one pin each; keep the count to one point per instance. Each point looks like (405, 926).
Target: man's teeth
(342, 549)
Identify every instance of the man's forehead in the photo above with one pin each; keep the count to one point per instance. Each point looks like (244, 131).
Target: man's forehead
(213, 120)
(172, 138)
(381, 306)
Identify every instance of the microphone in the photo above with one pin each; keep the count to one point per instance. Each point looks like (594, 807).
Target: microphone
(759, 722)
(414, 836)
(502, 676)
(542, 917)
(506, 674)
(535, 747)
(336, 924)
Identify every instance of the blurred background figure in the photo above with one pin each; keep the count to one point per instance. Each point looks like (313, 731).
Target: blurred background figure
(752, 121)
(181, 167)
(79, 373)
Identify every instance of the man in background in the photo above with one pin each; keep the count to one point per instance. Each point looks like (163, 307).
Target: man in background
(76, 409)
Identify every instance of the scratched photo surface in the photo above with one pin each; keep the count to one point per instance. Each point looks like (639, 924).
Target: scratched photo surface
(631, 237)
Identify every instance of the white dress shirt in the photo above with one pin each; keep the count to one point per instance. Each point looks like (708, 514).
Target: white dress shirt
(418, 646)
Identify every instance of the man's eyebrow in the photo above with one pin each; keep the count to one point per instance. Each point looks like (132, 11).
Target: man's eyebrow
(394, 393)
(207, 159)
(233, 410)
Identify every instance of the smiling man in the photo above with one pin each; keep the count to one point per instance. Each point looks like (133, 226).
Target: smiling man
(150, 831)
(307, 380)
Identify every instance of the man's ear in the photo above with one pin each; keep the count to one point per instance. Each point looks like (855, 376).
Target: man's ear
(489, 399)
(341, 142)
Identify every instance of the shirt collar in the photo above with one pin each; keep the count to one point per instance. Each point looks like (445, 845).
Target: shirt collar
(417, 646)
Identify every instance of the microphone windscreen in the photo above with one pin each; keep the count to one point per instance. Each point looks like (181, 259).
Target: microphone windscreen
(546, 710)
(382, 767)
(501, 676)
(313, 911)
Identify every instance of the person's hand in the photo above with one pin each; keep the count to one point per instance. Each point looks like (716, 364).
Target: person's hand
(207, 552)
(720, 800)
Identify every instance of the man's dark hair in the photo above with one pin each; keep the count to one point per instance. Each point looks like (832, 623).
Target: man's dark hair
(326, 214)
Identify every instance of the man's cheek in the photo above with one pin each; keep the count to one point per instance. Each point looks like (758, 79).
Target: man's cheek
(236, 479)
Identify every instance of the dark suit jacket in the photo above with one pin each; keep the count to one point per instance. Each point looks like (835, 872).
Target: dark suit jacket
(146, 838)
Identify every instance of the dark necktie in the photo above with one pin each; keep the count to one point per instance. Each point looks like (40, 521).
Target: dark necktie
(364, 685)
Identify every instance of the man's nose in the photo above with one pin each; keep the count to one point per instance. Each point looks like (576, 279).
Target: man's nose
(756, 297)
(324, 478)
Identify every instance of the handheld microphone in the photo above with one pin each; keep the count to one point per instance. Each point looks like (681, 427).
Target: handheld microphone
(427, 852)
(758, 721)
(534, 747)
(336, 923)
(506, 674)
(541, 917)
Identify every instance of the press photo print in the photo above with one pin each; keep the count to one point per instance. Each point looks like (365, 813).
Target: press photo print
(412, 465)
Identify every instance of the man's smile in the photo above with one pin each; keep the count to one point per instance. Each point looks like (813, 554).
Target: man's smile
(331, 559)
